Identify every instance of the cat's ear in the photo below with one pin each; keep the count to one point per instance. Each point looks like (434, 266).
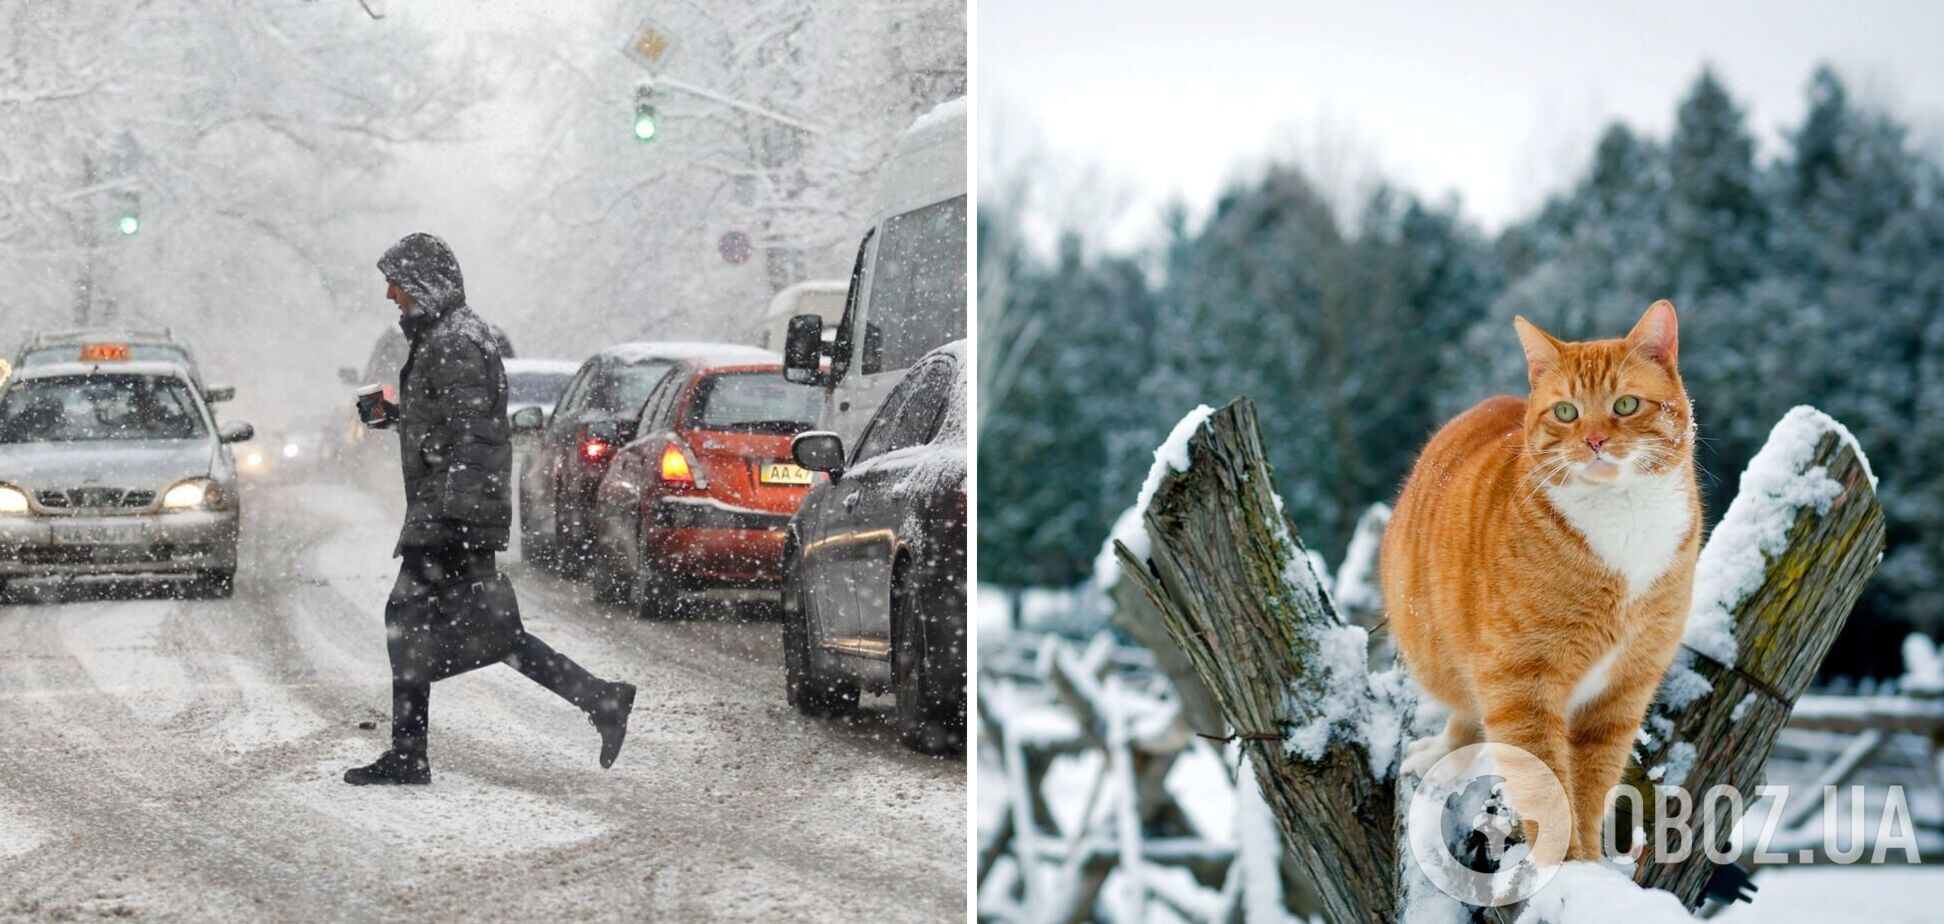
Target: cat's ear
(1657, 337)
(1541, 350)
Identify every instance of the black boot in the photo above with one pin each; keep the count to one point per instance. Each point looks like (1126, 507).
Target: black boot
(392, 768)
(610, 718)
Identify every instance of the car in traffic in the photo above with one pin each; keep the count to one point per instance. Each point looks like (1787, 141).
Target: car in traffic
(907, 288)
(874, 560)
(117, 344)
(700, 497)
(534, 383)
(573, 445)
(537, 382)
(821, 297)
(116, 469)
(287, 454)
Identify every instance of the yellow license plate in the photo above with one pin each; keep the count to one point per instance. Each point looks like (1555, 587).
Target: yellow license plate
(784, 473)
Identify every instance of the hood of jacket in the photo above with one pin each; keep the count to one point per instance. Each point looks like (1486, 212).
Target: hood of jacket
(425, 268)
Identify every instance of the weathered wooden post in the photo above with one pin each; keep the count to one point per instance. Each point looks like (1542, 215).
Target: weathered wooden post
(1234, 588)
(1784, 567)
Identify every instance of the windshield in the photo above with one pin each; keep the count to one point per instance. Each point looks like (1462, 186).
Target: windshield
(918, 289)
(761, 401)
(139, 352)
(536, 387)
(99, 407)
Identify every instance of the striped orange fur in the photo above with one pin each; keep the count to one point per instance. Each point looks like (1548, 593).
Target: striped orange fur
(1538, 566)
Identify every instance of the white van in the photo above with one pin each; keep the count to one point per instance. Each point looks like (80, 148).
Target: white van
(907, 291)
(822, 297)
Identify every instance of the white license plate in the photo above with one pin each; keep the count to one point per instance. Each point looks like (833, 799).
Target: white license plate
(783, 473)
(99, 534)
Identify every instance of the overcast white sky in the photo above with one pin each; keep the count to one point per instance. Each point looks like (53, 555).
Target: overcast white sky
(1499, 102)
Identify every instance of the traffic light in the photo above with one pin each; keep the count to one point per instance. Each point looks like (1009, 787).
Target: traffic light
(128, 214)
(647, 124)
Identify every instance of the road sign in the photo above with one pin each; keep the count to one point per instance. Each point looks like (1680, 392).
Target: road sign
(651, 46)
(735, 247)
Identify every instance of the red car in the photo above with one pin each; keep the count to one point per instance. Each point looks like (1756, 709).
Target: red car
(702, 495)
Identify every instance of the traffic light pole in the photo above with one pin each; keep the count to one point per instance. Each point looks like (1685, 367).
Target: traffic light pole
(733, 103)
(84, 283)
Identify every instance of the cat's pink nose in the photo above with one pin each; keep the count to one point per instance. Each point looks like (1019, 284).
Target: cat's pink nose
(1596, 441)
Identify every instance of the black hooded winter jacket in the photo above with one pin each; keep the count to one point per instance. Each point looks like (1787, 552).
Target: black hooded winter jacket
(453, 439)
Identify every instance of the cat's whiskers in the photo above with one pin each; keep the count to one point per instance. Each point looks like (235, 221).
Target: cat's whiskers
(1543, 473)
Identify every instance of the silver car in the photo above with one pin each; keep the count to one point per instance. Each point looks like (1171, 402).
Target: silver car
(98, 344)
(116, 468)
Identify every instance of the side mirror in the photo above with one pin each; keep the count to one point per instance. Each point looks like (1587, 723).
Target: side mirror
(235, 431)
(348, 376)
(528, 420)
(803, 350)
(215, 393)
(819, 451)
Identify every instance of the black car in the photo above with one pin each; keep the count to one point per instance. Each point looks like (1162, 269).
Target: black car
(874, 561)
(576, 443)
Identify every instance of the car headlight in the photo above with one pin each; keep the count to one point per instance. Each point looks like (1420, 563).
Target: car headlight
(12, 501)
(290, 450)
(194, 494)
(253, 460)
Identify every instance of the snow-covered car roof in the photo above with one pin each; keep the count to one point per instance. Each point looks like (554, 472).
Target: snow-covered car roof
(944, 122)
(940, 464)
(564, 366)
(955, 349)
(644, 351)
(77, 335)
(925, 165)
(788, 302)
(135, 367)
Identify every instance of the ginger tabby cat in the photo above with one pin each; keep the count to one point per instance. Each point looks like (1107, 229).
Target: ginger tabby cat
(1539, 564)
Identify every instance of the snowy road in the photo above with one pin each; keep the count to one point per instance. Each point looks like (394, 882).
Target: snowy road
(181, 759)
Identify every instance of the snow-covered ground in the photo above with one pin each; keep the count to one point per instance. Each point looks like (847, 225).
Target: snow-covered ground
(1202, 786)
(164, 759)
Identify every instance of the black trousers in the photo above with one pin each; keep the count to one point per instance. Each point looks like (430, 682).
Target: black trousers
(421, 571)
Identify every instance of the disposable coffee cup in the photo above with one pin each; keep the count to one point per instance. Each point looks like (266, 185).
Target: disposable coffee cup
(371, 406)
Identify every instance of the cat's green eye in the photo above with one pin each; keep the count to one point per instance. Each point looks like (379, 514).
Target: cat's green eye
(1566, 412)
(1626, 405)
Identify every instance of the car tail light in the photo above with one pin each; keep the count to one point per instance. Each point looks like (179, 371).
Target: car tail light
(594, 450)
(675, 467)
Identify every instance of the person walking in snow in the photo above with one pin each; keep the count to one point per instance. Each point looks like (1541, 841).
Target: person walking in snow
(451, 610)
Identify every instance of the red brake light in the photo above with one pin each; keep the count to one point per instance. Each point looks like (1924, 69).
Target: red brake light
(675, 467)
(594, 450)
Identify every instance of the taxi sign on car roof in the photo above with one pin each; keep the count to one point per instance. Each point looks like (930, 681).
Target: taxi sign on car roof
(104, 352)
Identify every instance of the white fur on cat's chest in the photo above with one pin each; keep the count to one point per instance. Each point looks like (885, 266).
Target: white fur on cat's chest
(1634, 525)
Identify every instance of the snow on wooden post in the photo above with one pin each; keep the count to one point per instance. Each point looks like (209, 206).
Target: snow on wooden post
(1773, 588)
(1235, 589)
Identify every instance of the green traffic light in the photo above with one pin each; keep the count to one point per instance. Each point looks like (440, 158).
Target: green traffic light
(129, 224)
(645, 126)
